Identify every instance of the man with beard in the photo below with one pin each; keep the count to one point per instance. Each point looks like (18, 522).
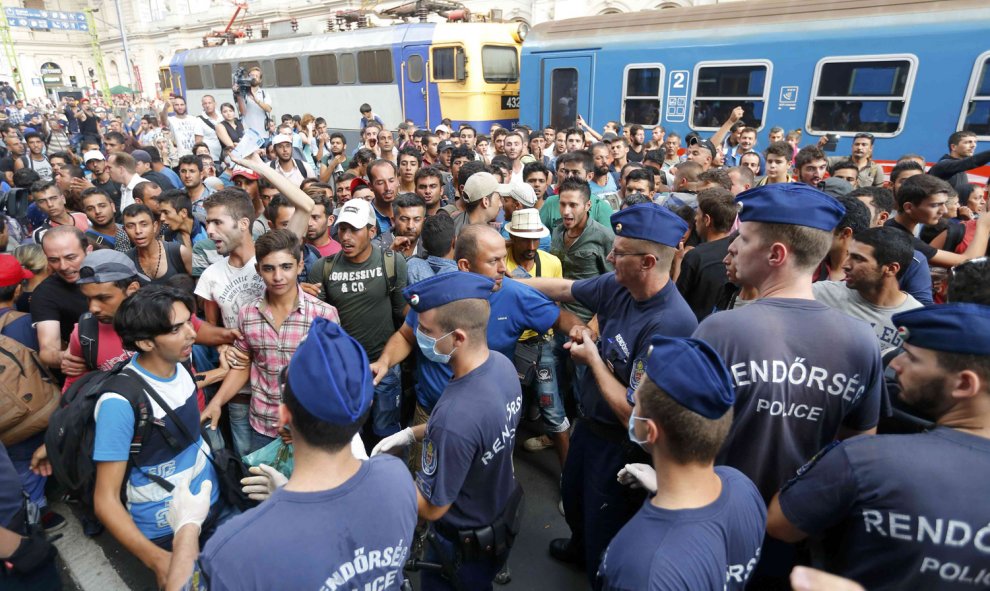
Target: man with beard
(811, 166)
(294, 169)
(513, 147)
(191, 173)
(867, 491)
(869, 173)
(408, 212)
(637, 137)
(187, 131)
(96, 164)
(428, 187)
(602, 183)
(384, 181)
(101, 212)
(332, 162)
(57, 303)
(318, 230)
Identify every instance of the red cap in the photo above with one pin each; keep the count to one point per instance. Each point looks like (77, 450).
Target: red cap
(244, 172)
(11, 271)
(355, 183)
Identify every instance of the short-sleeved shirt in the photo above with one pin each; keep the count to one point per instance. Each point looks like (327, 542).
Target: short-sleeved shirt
(917, 280)
(584, 258)
(801, 370)
(54, 299)
(625, 326)
(418, 269)
(363, 542)
(549, 267)
(920, 245)
(271, 349)
(711, 547)
(20, 329)
(899, 511)
(836, 294)
(703, 276)
(184, 130)
(147, 501)
(365, 299)
(601, 211)
(467, 450)
(231, 288)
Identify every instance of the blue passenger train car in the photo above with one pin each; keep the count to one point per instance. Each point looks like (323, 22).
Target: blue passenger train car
(910, 72)
(468, 72)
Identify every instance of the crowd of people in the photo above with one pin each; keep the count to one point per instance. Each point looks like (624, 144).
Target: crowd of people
(711, 334)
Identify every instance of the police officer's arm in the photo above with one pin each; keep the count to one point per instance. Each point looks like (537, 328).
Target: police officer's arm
(302, 202)
(558, 290)
(397, 348)
(428, 511)
(584, 350)
(185, 549)
(109, 510)
(779, 526)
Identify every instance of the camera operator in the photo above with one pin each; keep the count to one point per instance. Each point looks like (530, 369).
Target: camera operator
(253, 103)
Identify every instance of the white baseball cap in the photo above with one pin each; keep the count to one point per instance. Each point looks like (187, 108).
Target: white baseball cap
(281, 139)
(526, 224)
(356, 213)
(521, 192)
(93, 155)
(482, 184)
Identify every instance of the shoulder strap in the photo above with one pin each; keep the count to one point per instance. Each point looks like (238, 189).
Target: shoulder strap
(9, 315)
(388, 262)
(538, 271)
(89, 338)
(328, 264)
(208, 123)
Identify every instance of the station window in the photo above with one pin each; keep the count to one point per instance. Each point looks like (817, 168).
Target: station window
(642, 95)
(375, 67)
(500, 65)
(976, 108)
(563, 97)
(861, 95)
(194, 78)
(323, 69)
(347, 68)
(445, 62)
(719, 88)
(223, 75)
(207, 73)
(415, 68)
(287, 72)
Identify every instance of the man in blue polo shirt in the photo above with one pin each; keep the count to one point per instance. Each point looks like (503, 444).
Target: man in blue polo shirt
(633, 303)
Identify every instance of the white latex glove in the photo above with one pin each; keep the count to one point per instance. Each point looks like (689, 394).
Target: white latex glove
(357, 448)
(186, 508)
(395, 443)
(264, 482)
(639, 476)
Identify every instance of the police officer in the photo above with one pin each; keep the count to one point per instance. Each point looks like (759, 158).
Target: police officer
(633, 303)
(910, 510)
(466, 486)
(682, 413)
(366, 510)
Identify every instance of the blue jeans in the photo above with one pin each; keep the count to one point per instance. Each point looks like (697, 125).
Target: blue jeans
(386, 411)
(259, 441)
(541, 380)
(569, 374)
(240, 427)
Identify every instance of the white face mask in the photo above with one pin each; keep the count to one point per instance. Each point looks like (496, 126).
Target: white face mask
(632, 432)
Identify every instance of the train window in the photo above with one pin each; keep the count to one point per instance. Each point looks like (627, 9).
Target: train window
(869, 94)
(375, 67)
(720, 87)
(287, 72)
(499, 65)
(563, 97)
(223, 75)
(641, 95)
(194, 78)
(414, 67)
(347, 67)
(448, 63)
(323, 69)
(207, 73)
(976, 108)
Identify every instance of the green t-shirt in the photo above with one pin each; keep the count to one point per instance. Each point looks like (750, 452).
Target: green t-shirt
(366, 300)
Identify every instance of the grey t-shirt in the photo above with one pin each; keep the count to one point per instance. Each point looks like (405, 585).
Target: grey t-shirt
(801, 370)
(835, 294)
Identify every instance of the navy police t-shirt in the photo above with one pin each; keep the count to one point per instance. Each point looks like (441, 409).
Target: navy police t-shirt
(354, 536)
(802, 371)
(712, 547)
(467, 450)
(625, 327)
(900, 511)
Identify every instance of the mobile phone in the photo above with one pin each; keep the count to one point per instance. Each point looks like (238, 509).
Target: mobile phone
(250, 142)
(832, 143)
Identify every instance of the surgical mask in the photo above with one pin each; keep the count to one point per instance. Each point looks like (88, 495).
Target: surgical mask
(428, 345)
(632, 432)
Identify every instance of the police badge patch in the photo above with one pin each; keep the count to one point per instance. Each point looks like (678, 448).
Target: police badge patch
(429, 457)
(639, 369)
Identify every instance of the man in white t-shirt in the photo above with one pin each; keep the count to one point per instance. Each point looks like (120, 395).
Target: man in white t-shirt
(255, 107)
(211, 119)
(186, 130)
(877, 258)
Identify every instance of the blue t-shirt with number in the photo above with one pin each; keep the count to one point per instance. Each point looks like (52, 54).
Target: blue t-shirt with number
(625, 327)
(712, 547)
(899, 511)
(467, 450)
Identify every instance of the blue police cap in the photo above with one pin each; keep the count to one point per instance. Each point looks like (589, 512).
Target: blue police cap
(649, 221)
(692, 373)
(795, 204)
(952, 328)
(438, 290)
(329, 374)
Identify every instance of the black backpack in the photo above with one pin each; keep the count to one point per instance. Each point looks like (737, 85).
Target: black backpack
(72, 428)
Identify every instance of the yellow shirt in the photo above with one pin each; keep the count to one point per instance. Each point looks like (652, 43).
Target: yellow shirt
(549, 267)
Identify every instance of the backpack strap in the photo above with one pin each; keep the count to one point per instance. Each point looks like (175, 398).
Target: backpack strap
(89, 339)
(388, 262)
(328, 264)
(8, 316)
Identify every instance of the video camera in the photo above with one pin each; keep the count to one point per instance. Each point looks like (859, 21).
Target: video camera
(243, 81)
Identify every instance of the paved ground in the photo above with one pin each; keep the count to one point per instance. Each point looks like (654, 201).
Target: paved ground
(101, 564)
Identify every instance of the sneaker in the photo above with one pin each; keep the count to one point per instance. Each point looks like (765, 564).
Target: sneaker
(52, 522)
(537, 443)
(91, 526)
(504, 576)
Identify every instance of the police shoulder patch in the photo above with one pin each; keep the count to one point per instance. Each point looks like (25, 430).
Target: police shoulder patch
(429, 457)
(638, 371)
(810, 464)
